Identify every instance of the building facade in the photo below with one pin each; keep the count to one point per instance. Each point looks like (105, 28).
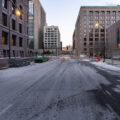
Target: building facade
(52, 39)
(113, 41)
(37, 21)
(91, 28)
(13, 29)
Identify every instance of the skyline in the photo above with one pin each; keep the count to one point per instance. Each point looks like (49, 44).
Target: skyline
(64, 14)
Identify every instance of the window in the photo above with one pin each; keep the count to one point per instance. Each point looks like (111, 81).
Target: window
(90, 17)
(13, 24)
(13, 40)
(96, 39)
(113, 17)
(102, 30)
(108, 12)
(118, 38)
(119, 12)
(97, 12)
(85, 49)
(102, 12)
(102, 17)
(90, 34)
(84, 11)
(96, 17)
(90, 43)
(113, 21)
(114, 12)
(4, 3)
(85, 39)
(20, 28)
(21, 9)
(96, 34)
(90, 39)
(102, 35)
(20, 42)
(85, 44)
(91, 12)
(4, 38)
(13, 4)
(4, 19)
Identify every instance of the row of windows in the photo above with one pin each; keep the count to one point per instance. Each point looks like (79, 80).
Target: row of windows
(103, 17)
(96, 39)
(102, 12)
(5, 23)
(4, 39)
(103, 21)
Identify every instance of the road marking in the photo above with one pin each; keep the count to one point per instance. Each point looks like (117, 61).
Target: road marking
(5, 109)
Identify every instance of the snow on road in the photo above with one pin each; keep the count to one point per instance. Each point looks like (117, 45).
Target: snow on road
(55, 90)
(106, 66)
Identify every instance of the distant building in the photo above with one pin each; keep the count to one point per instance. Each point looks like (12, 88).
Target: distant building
(18, 28)
(67, 48)
(113, 40)
(52, 39)
(90, 39)
(37, 21)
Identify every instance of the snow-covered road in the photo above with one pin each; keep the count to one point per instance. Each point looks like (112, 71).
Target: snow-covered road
(56, 90)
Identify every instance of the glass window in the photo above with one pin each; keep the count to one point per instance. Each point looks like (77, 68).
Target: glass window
(108, 12)
(4, 3)
(113, 12)
(4, 19)
(20, 28)
(13, 40)
(91, 12)
(97, 12)
(21, 9)
(4, 38)
(102, 12)
(13, 24)
(20, 42)
(13, 5)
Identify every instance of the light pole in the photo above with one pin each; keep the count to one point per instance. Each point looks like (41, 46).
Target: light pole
(18, 13)
(97, 25)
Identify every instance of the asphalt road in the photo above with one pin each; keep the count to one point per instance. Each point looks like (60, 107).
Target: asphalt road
(63, 89)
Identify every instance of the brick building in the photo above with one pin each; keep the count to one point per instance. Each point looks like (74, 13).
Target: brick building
(18, 28)
(89, 39)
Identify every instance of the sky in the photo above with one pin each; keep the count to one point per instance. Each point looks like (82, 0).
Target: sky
(63, 13)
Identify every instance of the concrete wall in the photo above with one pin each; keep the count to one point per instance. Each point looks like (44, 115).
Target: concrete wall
(112, 49)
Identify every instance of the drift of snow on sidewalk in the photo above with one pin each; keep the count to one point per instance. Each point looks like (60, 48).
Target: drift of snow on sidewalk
(106, 66)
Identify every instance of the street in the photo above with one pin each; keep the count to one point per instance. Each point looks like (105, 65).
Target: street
(62, 89)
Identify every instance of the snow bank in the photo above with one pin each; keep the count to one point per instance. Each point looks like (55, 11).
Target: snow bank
(106, 66)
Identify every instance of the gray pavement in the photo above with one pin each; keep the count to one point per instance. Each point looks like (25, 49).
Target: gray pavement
(63, 89)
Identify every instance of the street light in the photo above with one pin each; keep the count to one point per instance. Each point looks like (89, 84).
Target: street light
(97, 25)
(18, 13)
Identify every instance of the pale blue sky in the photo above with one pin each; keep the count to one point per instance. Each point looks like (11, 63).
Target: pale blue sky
(63, 13)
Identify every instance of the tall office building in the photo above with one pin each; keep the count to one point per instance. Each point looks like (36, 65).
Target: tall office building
(13, 29)
(91, 28)
(52, 39)
(37, 21)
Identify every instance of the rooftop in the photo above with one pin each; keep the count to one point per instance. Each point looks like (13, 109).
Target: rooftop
(118, 6)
